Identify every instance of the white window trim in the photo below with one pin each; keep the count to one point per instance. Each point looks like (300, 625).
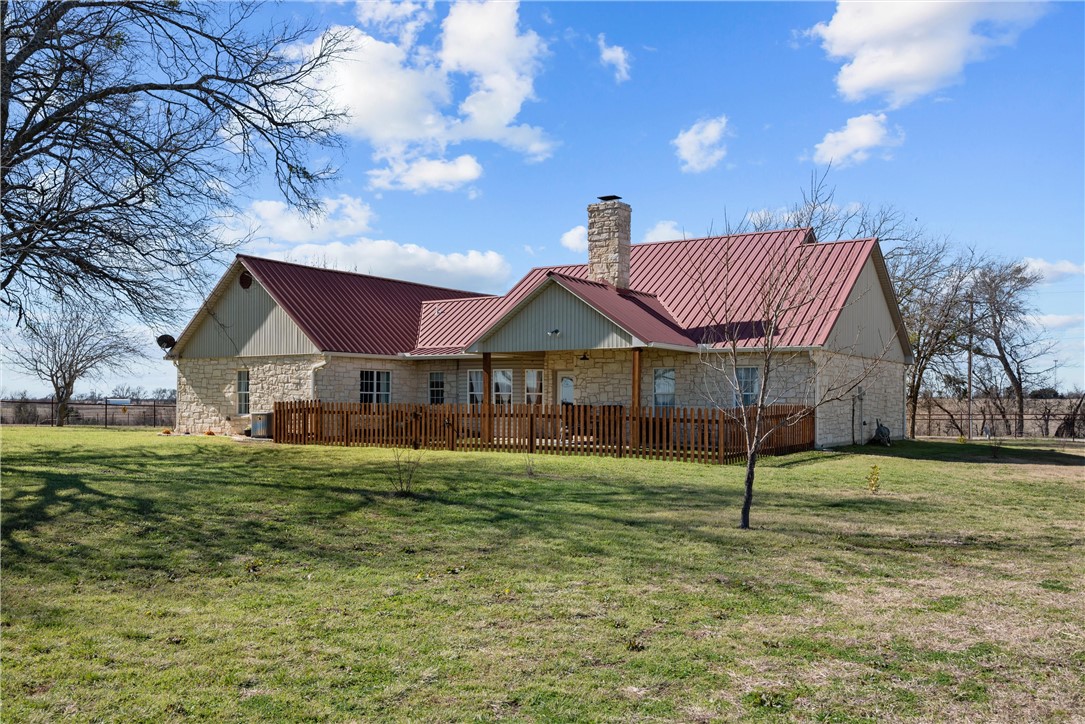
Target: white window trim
(247, 393)
(741, 394)
(493, 384)
(655, 393)
(542, 387)
(482, 387)
(376, 387)
(444, 387)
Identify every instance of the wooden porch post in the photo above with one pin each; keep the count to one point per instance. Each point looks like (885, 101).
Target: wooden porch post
(487, 398)
(634, 417)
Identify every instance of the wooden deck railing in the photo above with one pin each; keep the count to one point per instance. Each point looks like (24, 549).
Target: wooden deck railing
(688, 434)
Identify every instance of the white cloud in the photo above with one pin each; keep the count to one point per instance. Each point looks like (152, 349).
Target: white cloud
(343, 216)
(426, 174)
(700, 147)
(1059, 321)
(856, 140)
(483, 41)
(1054, 271)
(905, 50)
(664, 231)
(473, 270)
(404, 19)
(411, 100)
(616, 56)
(576, 239)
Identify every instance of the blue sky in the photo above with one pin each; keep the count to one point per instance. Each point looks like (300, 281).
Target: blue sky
(478, 133)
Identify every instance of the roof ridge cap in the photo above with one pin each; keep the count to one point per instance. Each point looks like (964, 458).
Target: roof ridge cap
(724, 236)
(354, 274)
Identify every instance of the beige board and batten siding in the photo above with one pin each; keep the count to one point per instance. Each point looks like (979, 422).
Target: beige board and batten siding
(517, 364)
(865, 327)
(247, 323)
(579, 327)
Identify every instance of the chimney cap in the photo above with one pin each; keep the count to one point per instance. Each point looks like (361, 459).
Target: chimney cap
(609, 198)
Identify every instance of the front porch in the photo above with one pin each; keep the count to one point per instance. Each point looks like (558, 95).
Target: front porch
(703, 435)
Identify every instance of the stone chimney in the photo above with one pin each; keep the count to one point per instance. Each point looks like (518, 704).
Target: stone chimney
(608, 241)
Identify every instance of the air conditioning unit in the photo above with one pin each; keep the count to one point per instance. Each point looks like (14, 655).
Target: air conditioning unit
(261, 424)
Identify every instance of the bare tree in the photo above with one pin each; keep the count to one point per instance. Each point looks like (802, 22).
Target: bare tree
(932, 282)
(820, 212)
(164, 394)
(1006, 332)
(128, 392)
(127, 128)
(1073, 420)
(791, 290)
(69, 345)
(930, 276)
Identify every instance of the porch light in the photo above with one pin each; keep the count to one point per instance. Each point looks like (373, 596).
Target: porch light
(584, 357)
(553, 333)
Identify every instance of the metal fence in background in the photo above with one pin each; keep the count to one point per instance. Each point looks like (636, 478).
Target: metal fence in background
(151, 413)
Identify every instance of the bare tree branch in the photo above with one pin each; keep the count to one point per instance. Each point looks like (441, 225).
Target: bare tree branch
(69, 344)
(127, 128)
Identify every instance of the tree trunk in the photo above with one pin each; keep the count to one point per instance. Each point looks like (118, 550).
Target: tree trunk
(747, 501)
(1020, 411)
(913, 398)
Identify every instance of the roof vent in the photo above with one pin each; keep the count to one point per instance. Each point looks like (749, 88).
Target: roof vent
(609, 198)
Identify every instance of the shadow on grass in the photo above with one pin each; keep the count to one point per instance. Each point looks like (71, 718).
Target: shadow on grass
(149, 514)
(972, 452)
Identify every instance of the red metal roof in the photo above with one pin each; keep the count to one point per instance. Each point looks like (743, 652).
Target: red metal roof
(688, 292)
(638, 313)
(346, 312)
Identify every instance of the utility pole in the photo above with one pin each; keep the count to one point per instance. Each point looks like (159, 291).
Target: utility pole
(970, 322)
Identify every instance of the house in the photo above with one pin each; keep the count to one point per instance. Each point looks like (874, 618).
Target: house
(642, 325)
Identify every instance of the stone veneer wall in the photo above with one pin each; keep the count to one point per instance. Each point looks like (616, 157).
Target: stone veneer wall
(207, 389)
(605, 379)
(883, 398)
(340, 379)
(207, 395)
(608, 242)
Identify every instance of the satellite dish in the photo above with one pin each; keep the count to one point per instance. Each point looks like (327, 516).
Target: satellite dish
(166, 342)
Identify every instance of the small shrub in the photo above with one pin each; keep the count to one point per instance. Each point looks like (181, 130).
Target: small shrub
(780, 701)
(529, 465)
(873, 478)
(405, 463)
(961, 439)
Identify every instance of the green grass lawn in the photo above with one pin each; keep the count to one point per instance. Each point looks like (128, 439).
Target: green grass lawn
(150, 578)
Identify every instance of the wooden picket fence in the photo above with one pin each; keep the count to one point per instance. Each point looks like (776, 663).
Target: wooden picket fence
(687, 434)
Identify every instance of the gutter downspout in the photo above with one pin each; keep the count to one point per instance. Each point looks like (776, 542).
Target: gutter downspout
(312, 376)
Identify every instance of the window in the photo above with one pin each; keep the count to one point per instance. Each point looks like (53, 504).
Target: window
(533, 387)
(242, 392)
(436, 388)
(748, 385)
(475, 388)
(376, 387)
(502, 387)
(663, 388)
